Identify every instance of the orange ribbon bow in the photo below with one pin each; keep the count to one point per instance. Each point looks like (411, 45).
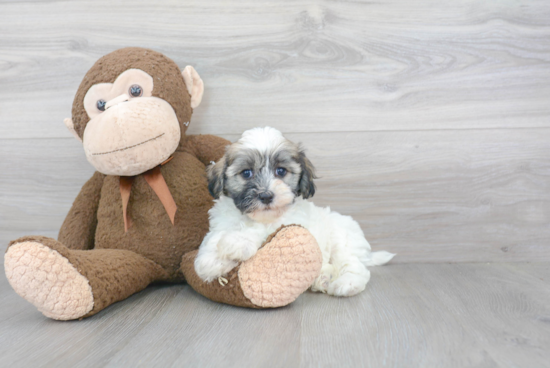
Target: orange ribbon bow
(156, 181)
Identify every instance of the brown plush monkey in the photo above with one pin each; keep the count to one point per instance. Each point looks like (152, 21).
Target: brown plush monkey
(143, 214)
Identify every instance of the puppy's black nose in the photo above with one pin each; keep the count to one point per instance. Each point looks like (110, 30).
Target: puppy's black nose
(266, 197)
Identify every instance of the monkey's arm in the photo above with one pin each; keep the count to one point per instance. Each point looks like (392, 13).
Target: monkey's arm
(206, 147)
(78, 229)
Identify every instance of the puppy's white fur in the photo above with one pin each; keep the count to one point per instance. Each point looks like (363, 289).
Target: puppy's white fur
(236, 236)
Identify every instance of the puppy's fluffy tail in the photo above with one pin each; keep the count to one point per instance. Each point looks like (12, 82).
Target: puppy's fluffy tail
(378, 258)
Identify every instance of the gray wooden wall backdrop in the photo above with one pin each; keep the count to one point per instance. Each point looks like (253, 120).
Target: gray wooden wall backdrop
(428, 121)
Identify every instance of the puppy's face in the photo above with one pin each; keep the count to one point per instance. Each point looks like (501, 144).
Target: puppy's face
(263, 173)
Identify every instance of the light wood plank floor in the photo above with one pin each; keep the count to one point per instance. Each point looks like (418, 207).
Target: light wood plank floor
(416, 315)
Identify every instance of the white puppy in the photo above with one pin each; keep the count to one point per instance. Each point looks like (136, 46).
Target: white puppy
(260, 184)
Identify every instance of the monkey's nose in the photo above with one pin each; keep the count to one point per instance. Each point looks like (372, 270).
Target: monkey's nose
(266, 197)
(116, 100)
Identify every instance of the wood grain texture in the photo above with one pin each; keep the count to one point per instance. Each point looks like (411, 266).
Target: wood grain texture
(464, 315)
(429, 196)
(298, 65)
(434, 315)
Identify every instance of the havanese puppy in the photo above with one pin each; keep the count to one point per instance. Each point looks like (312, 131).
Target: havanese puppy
(261, 183)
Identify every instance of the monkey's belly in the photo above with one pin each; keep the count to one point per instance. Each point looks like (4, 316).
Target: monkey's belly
(151, 233)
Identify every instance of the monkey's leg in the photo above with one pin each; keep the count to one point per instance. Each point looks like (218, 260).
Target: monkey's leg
(67, 284)
(285, 267)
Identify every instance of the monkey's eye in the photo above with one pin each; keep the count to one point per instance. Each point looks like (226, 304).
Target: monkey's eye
(281, 171)
(135, 90)
(247, 174)
(101, 105)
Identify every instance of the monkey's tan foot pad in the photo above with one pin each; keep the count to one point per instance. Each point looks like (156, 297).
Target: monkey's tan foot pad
(46, 279)
(281, 270)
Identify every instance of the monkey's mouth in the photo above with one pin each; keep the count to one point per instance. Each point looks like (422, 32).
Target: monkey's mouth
(126, 148)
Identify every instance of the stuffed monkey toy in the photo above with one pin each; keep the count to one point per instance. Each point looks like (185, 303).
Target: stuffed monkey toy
(143, 214)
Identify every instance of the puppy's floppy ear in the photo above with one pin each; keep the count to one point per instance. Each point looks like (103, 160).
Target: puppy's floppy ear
(216, 178)
(306, 186)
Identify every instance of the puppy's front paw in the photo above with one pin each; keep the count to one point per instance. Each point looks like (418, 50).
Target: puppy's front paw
(322, 282)
(347, 284)
(237, 246)
(210, 267)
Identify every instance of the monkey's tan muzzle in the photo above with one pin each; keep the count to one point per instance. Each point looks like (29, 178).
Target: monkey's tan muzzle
(131, 136)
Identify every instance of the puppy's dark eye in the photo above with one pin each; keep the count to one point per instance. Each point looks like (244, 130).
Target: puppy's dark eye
(135, 90)
(281, 171)
(247, 174)
(100, 104)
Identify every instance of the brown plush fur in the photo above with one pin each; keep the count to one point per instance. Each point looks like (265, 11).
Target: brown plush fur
(78, 229)
(92, 237)
(152, 234)
(96, 219)
(231, 293)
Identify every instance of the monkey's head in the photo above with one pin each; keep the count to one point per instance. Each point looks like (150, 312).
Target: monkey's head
(132, 109)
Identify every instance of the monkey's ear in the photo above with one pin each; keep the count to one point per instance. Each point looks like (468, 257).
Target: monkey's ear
(194, 85)
(69, 124)
(216, 178)
(306, 186)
